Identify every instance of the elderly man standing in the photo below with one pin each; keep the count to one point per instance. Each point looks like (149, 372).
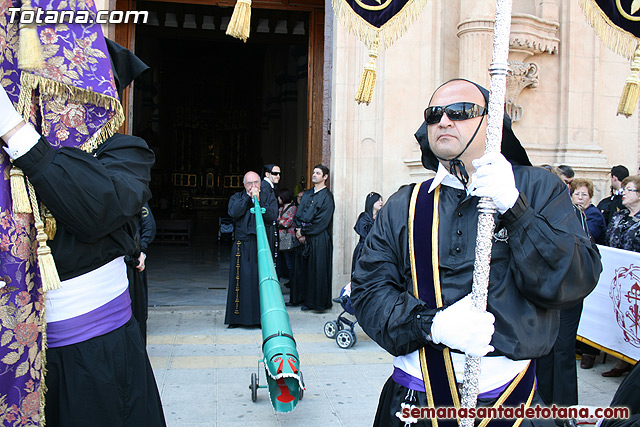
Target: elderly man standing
(411, 286)
(243, 297)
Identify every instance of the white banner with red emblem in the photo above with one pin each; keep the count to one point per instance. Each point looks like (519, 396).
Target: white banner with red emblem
(611, 313)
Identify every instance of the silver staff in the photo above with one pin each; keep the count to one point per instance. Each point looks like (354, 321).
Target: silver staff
(486, 208)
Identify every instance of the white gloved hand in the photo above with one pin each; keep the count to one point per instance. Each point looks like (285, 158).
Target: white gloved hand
(9, 117)
(459, 326)
(494, 178)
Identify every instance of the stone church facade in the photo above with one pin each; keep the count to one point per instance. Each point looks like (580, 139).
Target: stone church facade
(563, 91)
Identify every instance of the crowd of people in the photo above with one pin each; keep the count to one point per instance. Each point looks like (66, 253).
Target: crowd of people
(299, 238)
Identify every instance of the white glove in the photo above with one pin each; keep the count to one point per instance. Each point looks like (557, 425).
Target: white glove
(494, 178)
(459, 326)
(9, 117)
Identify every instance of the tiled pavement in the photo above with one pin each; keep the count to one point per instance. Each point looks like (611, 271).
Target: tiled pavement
(203, 369)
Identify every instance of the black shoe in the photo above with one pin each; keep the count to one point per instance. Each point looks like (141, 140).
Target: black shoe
(587, 361)
(232, 326)
(291, 304)
(305, 308)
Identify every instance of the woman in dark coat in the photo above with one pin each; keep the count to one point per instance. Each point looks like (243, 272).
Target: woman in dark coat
(372, 205)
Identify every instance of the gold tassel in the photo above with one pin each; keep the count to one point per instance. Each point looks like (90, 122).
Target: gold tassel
(48, 271)
(50, 226)
(240, 23)
(368, 79)
(46, 263)
(30, 50)
(629, 98)
(19, 191)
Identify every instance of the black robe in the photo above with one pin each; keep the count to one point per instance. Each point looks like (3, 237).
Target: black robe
(271, 226)
(546, 264)
(314, 258)
(609, 206)
(243, 296)
(362, 228)
(627, 395)
(138, 286)
(96, 198)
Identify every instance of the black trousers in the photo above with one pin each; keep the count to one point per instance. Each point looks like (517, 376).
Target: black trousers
(106, 381)
(556, 372)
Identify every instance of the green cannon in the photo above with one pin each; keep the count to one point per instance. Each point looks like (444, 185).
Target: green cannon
(281, 361)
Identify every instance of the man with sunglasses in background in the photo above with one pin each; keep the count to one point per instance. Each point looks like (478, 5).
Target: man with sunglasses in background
(269, 183)
(411, 286)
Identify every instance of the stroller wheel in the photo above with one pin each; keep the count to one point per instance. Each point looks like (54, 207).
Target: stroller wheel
(345, 339)
(330, 329)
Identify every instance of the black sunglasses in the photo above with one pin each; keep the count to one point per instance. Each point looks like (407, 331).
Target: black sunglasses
(456, 112)
(274, 173)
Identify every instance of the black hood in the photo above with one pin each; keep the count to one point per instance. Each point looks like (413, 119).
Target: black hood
(126, 65)
(511, 148)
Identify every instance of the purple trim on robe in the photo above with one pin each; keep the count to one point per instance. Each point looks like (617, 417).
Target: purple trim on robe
(413, 383)
(406, 380)
(96, 322)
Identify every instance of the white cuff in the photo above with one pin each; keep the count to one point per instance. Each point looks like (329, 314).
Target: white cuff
(22, 141)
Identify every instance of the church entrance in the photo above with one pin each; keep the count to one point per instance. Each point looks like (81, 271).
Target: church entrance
(213, 107)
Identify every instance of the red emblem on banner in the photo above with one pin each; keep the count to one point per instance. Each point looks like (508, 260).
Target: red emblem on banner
(625, 294)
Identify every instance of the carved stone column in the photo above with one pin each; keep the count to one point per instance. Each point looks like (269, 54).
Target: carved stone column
(475, 32)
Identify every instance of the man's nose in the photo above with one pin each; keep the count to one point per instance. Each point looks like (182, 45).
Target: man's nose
(445, 120)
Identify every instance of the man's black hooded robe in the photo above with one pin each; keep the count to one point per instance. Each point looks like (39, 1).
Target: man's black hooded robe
(541, 262)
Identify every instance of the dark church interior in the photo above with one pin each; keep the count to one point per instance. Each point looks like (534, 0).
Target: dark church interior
(212, 107)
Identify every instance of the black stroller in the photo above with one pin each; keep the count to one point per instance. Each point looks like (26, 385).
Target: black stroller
(345, 338)
(225, 229)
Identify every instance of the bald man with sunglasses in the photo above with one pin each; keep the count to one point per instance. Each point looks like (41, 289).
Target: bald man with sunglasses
(411, 286)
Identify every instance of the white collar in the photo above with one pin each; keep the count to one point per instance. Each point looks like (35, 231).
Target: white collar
(445, 178)
(269, 181)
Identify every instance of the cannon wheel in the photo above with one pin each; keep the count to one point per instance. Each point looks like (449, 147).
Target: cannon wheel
(301, 392)
(345, 339)
(254, 387)
(331, 329)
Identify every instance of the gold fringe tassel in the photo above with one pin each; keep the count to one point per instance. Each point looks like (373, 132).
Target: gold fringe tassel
(240, 23)
(368, 79)
(46, 264)
(615, 38)
(30, 50)
(629, 98)
(30, 82)
(391, 31)
(50, 225)
(19, 194)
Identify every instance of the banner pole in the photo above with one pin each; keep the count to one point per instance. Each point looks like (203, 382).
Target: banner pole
(486, 208)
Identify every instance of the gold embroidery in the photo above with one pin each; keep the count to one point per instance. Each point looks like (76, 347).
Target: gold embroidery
(634, 8)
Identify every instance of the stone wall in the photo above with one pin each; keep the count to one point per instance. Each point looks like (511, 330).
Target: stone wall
(563, 93)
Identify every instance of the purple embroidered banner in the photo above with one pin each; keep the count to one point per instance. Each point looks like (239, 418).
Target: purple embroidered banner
(72, 101)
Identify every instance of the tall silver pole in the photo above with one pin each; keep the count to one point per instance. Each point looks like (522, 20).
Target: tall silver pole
(486, 208)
